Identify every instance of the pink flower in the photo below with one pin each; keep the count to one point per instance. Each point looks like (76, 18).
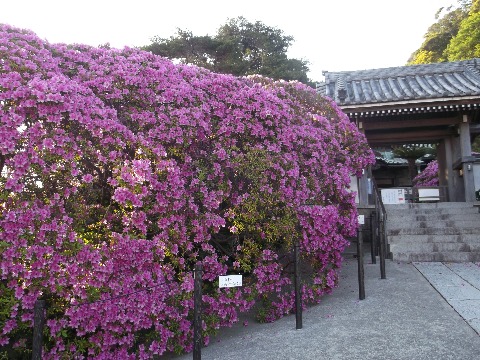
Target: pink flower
(173, 154)
(87, 178)
(429, 176)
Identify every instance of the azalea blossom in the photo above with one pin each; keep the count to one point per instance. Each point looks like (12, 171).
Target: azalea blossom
(120, 170)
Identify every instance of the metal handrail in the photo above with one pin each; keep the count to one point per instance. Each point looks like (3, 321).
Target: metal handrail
(381, 214)
(378, 198)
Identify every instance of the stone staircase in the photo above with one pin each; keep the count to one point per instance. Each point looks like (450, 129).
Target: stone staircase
(447, 232)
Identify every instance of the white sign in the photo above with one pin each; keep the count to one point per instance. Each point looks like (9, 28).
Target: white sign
(393, 196)
(428, 195)
(361, 219)
(229, 281)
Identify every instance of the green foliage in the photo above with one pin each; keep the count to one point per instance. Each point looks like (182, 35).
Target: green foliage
(466, 44)
(7, 301)
(455, 36)
(412, 151)
(263, 209)
(437, 38)
(239, 48)
(476, 145)
(22, 335)
(263, 311)
(186, 47)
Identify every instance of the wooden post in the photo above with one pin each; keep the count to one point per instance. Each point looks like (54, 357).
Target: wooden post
(373, 233)
(197, 312)
(38, 324)
(382, 247)
(361, 272)
(298, 289)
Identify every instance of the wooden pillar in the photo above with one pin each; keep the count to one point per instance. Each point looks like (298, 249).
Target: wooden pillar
(362, 180)
(445, 167)
(363, 189)
(456, 186)
(467, 167)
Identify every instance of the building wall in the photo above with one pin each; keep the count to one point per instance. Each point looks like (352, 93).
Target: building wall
(392, 177)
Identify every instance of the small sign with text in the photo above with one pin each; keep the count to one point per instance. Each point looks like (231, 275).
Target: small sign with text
(361, 219)
(229, 281)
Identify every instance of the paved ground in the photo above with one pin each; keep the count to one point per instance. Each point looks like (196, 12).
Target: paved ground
(459, 285)
(402, 317)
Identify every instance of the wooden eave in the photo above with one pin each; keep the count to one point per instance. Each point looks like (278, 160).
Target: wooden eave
(456, 104)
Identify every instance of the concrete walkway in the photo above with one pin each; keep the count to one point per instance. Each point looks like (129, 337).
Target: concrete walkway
(459, 285)
(402, 317)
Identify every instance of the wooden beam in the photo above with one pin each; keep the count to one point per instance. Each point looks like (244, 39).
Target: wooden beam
(408, 136)
(411, 104)
(409, 123)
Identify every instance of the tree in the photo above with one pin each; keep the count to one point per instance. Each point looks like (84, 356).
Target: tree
(455, 36)
(438, 37)
(466, 43)
(239, 48)
(411, 152)
(476, 144)
(187, 48)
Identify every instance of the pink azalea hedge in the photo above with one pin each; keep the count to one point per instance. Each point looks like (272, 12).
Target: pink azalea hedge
(429, 175)
(121, 170)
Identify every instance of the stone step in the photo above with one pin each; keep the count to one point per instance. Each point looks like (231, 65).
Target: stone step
(474, 246)
(435, 217)
(402, 212)
(417, 239)
(402, 224)
(429, 247)
(447, 232)
(434, 231)
(439, 205)
(437, 257)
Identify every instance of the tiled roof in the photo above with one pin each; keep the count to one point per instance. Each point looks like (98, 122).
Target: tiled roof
(460, 79)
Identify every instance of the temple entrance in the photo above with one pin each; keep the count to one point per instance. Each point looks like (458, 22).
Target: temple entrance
(421, 104)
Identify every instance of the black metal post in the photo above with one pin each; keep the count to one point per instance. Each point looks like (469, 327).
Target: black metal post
(373, 234)
(197, 312)
(382, 247)
(361, 272)
(298, 289)
(38, 324)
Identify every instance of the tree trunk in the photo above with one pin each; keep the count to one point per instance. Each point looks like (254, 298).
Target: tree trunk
(412, 169)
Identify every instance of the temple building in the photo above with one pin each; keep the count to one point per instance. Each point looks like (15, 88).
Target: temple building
(433, 105)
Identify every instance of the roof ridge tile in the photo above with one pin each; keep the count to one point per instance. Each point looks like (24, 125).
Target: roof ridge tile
(410, 83)
(472, 67)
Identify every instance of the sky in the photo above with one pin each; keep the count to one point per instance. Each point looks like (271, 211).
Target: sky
(334, 35)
